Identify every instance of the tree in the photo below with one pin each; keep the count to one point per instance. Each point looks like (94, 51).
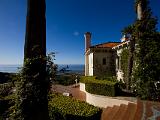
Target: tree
(129, 32)
(144, 61)
(32, 88)
(147, 55)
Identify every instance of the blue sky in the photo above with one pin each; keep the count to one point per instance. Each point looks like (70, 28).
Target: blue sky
(67, 21)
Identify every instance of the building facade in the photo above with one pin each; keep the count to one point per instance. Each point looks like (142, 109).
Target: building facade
(104, 59)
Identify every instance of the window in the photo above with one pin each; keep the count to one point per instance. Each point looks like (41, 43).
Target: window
(104, 61)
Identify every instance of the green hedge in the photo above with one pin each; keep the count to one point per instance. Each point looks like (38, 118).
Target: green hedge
(87, 79)
(100, 87)
(67, 108)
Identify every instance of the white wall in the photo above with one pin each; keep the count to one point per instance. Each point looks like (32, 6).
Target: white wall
(100, 100)
(86, 65)
(119, 73)
(103, 101)
(82, 87)
(91, 64)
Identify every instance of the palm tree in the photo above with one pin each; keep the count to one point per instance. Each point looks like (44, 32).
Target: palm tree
(33, 88)
(35, 29)
(140, 6)
(130, 61)
(129, 31)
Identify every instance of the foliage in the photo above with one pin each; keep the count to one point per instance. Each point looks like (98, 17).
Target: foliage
(147, 54)
(4, 105)
(5, 89)
(51, 67)
(66, 79)
(7, 98)
(66, 108)
(31, 88)
(6, 95)
(85, 79)
(124, 63)
(100, 87)
(25, 84)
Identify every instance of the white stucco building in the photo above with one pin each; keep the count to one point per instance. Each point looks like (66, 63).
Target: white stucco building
(104, 59)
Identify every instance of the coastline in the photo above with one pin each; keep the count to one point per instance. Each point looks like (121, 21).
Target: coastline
(71, 68)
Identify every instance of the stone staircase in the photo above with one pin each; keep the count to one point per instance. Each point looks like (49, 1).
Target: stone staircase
(142, 110)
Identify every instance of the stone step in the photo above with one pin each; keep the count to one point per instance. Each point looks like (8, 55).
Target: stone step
(139, 110)
(105, 113)
(110, 113)
(130, 112)
(120, 112)
(152, 110)
(146, 110)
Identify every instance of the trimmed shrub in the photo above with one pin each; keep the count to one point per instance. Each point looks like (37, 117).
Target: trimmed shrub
(66, 108)
(100, 87)
(85, 79)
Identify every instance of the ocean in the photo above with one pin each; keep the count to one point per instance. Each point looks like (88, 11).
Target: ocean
(72, 68)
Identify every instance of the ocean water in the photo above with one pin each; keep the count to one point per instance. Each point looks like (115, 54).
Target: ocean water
(10, 68)
(72, 68)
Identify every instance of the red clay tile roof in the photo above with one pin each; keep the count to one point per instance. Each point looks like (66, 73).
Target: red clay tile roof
(106, 45)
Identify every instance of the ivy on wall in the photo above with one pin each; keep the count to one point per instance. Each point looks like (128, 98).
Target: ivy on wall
(124, 62)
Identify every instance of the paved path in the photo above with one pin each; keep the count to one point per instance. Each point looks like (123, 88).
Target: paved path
(74, 91)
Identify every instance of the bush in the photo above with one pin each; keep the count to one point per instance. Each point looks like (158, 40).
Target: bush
(5, 89)
(4, 104)
(66, 79)
(85, 79)
(100, 87)
(6, 99)
(66, 108)
(5, 77)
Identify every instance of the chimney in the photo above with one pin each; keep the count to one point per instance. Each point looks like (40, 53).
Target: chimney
(87, 37)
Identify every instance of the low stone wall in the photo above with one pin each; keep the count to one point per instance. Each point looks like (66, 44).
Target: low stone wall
(82, 87)
(101, 101)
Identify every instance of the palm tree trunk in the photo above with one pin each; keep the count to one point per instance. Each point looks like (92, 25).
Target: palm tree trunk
(35, 105)
(35, 29)
(130, 62)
